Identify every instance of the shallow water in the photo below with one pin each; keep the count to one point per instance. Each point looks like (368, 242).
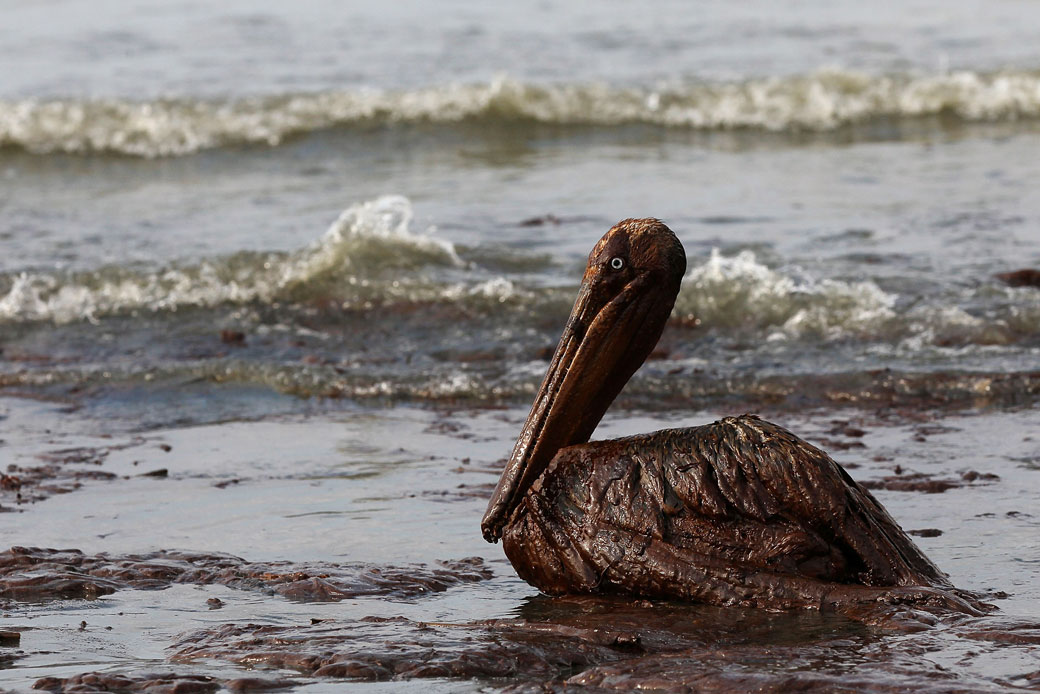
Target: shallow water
(391, 488)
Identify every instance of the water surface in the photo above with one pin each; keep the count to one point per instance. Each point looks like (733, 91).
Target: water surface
(323, 252)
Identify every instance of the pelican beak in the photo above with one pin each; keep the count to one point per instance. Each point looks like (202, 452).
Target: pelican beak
(611, 330)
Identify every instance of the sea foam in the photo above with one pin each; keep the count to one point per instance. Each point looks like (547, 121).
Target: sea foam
(740, 292)
(822, 100)
(368, 240)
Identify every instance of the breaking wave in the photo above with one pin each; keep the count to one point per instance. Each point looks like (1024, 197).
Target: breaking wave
(367, 241)
(820, 101)
(371, 258)
(741, 292)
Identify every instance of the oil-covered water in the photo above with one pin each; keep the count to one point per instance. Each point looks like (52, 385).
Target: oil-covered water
(401, 490)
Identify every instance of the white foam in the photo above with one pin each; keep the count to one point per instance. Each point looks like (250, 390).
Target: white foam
(361, 236)
(366, 238)
(497, 289)
(739, 292)
(822, 100)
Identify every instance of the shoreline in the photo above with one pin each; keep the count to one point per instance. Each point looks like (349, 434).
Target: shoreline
(405, 486)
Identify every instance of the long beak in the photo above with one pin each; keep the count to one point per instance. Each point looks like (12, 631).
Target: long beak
(604, 343)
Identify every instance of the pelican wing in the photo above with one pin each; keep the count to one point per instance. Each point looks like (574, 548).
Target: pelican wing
(740, 511)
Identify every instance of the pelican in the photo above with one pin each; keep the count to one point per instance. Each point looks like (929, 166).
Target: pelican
(738, 512)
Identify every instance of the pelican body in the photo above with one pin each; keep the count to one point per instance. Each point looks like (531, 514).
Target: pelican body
(738, 512)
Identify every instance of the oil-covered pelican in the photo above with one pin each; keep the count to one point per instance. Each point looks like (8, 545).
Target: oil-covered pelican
(738, 512)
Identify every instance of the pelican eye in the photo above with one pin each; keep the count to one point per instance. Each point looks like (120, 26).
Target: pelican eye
(617, 263)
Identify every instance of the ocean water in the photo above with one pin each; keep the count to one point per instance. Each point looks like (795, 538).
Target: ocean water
(396, 202)
(217, 213)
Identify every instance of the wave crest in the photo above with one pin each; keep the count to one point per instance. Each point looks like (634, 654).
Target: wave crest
(370, 258)
(739, 291)
(368, 240)
(824, 100)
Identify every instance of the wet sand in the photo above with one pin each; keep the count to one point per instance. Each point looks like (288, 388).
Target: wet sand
(299, 552)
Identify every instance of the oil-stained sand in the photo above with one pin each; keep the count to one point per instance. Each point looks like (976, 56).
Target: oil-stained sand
(220, 574)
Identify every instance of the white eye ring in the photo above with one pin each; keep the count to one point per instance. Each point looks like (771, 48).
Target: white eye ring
(617, 263)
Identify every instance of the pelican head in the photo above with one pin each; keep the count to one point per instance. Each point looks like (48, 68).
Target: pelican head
(626, 296)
